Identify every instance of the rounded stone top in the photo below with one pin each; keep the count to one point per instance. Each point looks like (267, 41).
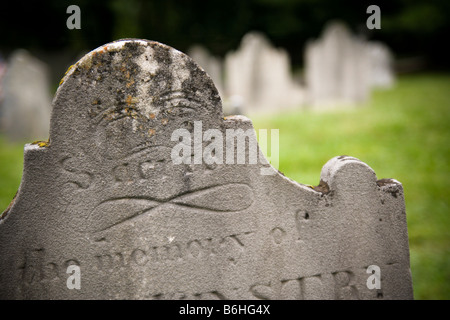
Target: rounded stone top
(138, 87)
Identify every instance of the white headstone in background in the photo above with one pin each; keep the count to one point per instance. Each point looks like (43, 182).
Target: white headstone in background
(259, 76)
(337, 68)
(381, 61)
(3, 67)
(27, 99)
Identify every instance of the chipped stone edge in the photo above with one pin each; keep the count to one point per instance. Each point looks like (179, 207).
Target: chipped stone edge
(336, 164)
(392, 186)
(264, 162)
(29, 147)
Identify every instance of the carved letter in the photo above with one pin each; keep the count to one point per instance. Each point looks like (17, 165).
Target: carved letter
(343, 289)
(139, 257)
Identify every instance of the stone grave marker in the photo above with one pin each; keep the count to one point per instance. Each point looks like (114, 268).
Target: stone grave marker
(26, 106)
(382, 73)
(337, 68)
(3, 67)
(259, 76)
(107, 196)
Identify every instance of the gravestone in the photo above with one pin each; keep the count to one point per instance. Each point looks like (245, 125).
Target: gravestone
(106, 195)
(3, 68)
(26, 106)
(381, 62)
(259, 76)
(337, 68)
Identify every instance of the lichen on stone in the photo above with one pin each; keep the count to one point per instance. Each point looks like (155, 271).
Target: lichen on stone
(41, 144)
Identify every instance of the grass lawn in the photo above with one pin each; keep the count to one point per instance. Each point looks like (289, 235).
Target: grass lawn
(403, 134)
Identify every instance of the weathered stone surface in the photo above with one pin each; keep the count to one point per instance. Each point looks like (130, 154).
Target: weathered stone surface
(26, 107)
(106, 195)
(211, 64)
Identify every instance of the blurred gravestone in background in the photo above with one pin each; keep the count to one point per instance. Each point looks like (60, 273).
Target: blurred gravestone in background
(342, 69)
(258, 76)
(382, 65)
(337, 68)
(26, 106)
(3, 67)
